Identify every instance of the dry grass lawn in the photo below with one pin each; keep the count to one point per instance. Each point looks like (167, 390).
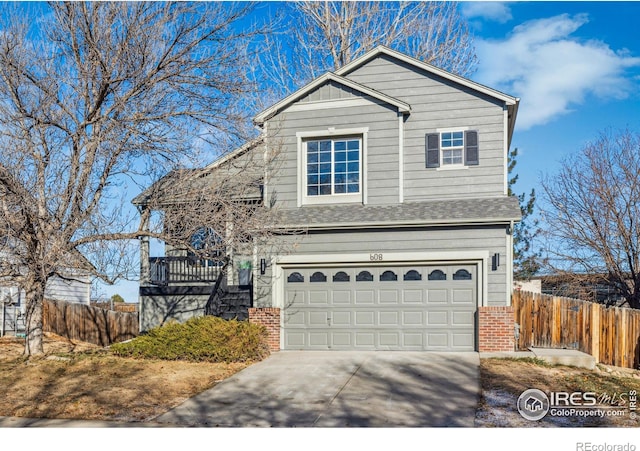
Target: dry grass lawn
(503, 380)
(82, 381)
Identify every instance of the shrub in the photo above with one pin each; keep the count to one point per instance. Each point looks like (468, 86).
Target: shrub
(201, 339)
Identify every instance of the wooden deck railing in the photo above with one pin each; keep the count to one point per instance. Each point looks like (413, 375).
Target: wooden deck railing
(166, 270)
(610, 334)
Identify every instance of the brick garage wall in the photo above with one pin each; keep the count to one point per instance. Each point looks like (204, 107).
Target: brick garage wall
(269, 318)
(496, 329)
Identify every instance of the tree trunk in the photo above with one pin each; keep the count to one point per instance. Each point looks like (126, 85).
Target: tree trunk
(33, 344)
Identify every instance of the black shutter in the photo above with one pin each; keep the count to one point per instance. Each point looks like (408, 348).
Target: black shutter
(471, 154)
(432, 146)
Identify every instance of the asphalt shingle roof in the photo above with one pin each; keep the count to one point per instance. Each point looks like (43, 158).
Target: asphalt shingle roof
(450, 211)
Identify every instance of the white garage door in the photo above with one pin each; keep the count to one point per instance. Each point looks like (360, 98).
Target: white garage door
(408, 307)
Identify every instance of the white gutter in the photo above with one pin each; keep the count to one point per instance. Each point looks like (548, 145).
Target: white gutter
(400, 157)
(395, 224)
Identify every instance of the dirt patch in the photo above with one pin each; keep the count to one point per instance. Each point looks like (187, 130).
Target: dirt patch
(77, 380)
(503, 380)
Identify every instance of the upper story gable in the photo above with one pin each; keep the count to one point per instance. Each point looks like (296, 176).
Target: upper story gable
(388, 129)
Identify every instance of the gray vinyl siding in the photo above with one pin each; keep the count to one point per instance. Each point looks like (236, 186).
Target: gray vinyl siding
(431, 240)
(439, 104)
(74, 291)
(330, 91)
(381, 159)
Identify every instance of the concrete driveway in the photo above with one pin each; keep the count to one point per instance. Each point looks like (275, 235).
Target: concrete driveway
(341, 389)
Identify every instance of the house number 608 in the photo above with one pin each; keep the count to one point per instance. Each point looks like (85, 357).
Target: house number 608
(375, 257)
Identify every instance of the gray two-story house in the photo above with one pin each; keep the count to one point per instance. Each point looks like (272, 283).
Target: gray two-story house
(397, 173)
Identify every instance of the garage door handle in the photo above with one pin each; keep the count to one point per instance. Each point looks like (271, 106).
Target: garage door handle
(328, 320)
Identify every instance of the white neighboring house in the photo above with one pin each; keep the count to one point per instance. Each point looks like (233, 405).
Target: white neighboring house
(76, 290)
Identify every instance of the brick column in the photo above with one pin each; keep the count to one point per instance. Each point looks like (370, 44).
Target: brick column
(496, 329)
(269, 318)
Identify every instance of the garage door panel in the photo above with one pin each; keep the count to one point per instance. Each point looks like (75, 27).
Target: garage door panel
(462, 296)
(437, 296)
(295, 318)
(319, 339)
(437, 340)
(341, 297)
(365, 296)
(388, 296)
(462, 319)
(365, 339)
(413, 340)
(365, 318)
(318, 318)
(412, 318)
(341, 318)
(437, 318)
(390, 339)
(389, 318)
(413, 296)
(341, 340)
(295, 297)
(319, 297)
(403, 307)
(295, 339)
(462, 340)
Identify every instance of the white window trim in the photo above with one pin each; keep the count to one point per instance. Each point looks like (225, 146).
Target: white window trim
(331, 132)
(449, 167)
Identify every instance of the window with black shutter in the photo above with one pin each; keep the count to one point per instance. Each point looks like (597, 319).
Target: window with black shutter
(433, 150)
(451, 149)
(471, 157)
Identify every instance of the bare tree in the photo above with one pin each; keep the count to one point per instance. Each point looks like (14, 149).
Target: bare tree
(593, 207)
(102, 97)
(323, 36)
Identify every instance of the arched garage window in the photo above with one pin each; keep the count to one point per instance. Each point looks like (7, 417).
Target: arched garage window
(437, 274)
(413, 275)
(462, 274)
(388, 276)
(295, 277)
(341, 276)
(318, 277)
(364, 276)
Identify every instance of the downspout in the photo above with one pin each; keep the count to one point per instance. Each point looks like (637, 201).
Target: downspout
(510, 262)
(505, 114)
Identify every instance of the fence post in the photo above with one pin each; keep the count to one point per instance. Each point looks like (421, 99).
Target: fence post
(595, 330)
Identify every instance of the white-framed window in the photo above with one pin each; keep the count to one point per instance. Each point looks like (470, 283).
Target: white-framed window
(452, 145)
(452, 148)
(331, 167)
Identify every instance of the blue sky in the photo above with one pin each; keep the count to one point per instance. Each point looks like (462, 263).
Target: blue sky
(574, 65)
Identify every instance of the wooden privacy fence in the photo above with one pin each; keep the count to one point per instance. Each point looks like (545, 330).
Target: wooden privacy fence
(117, 306)
(610, 334)
(90, 324)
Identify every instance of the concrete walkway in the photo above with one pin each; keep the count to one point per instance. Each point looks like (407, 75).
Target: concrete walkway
(341, 389)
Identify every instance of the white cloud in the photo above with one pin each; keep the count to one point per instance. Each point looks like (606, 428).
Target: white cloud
(496, 11)
(551, 71)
